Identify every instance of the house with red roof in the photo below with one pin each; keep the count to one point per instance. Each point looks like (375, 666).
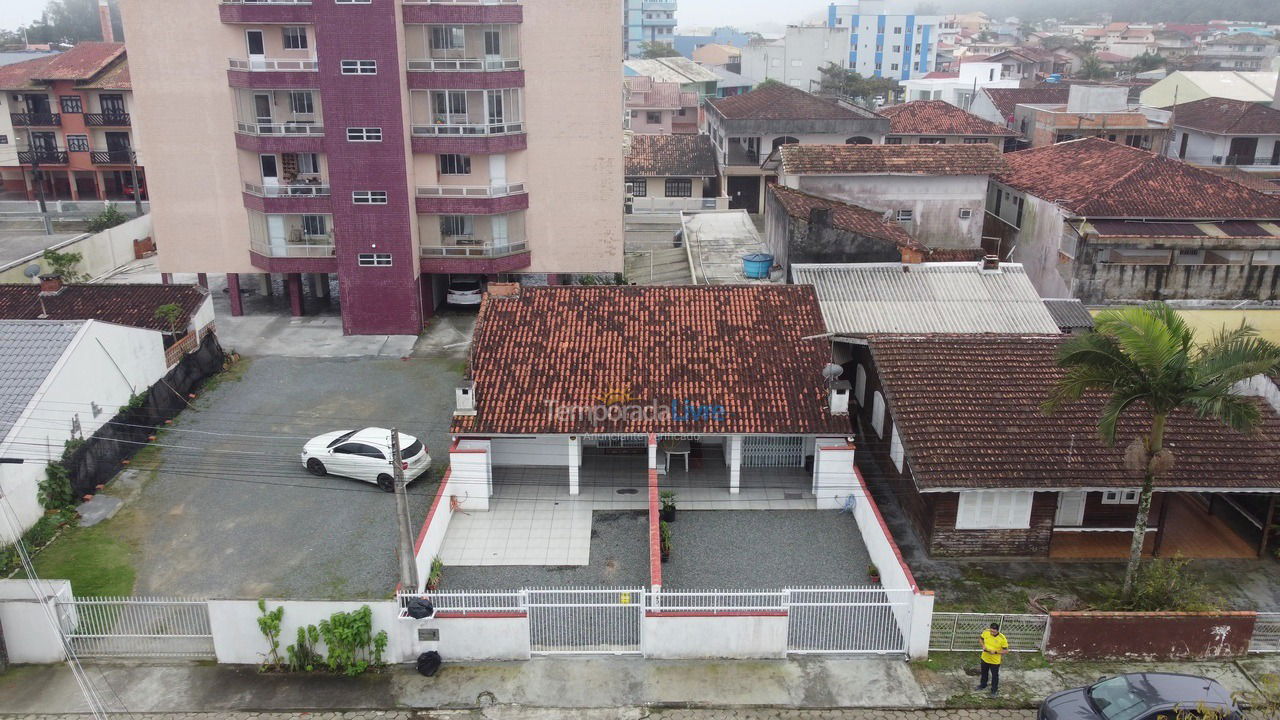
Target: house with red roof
(935, 122)
(1222, 132)
(1105, 222)
(659, 108)
(69, 115)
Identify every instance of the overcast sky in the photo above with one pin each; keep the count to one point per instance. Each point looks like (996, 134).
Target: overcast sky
(19, 12)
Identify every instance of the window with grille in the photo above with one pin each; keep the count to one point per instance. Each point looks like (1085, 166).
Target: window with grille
(359, 67)
(364, 134)
(374, 259)
(78, 143)
(71, 104)
(906, 215)
(453, 164)
(1120, 497)
(369, 197)
(680, 188)
(893, 141)
(992, 510)
(295, 38)
(975, 141)
(638, 187)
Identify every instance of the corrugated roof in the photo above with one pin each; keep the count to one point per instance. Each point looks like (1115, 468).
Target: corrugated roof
(1069, 313)
(29, 349)
(679, 70)
(871, 298)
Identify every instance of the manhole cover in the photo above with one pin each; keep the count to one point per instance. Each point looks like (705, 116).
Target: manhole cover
(792, 496)
(626, 491)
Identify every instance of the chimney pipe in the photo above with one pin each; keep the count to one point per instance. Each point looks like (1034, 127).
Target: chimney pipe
(50, 285)
(104, 19)
(990, 263)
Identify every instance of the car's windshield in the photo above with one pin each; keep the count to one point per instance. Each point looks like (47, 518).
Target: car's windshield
(341, 438)
(1115, 699)
(464, 285)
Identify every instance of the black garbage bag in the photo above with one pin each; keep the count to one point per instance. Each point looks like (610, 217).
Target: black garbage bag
(420, 608)
(429, 663)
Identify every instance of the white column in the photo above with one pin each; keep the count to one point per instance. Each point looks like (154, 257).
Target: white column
(921, 625)
(653, 454)
(575, 460)
(735, 463)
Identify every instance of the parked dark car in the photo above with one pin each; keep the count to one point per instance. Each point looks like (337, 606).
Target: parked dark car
(1143, 696)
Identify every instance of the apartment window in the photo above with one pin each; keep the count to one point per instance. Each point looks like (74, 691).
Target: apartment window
(638, 187)
(897, 30)
(453, 164)
(295, 38)
(4, 139)
(492, 43)
(447, 37)
(78, 143)
(975, 141)
(860, 386)
(449, 102)
(359, 67)
(1120, 497)
(896, 452)
(71, 104)
(301, 102)
(994, 510)
(906, 215)
(315, 226)
(308, 164)
(893, 66)
(680, 188)
(369, 197)
(965, 213)
(374, 259)
(364, 134)
(893, 141)
(933, 141)
(897, 48)
(653, 118)
(877, 413)
(455, 225)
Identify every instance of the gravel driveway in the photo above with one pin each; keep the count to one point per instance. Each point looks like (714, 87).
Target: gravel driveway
(231, 513)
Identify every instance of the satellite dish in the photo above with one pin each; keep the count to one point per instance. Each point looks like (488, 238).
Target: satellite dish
(31, 270)
(832, 371)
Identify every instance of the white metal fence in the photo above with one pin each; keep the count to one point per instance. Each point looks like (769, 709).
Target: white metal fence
(858, 620)
(137, 627)
(1266, 633)
(960, 631)
(585, 620)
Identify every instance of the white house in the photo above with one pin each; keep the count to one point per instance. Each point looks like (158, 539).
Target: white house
(958, 88)
(1224, 132)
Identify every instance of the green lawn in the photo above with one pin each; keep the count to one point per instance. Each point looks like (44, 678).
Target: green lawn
(94, 559)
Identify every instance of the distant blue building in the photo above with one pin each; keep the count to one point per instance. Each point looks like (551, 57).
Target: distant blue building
(648, 21)
(887, 38)
(686, 44)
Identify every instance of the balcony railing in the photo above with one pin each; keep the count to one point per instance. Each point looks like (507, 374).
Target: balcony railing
(307, 248)
(1234, 160)
(36, 119)
(451, 129)
(287, 191)
(111, 157)
(308, 65)
(464, 65)
(288, 128)
(473, 251)
(107, 119)
(470, 191)
(462, 2)
(266, 2)
(48, 157)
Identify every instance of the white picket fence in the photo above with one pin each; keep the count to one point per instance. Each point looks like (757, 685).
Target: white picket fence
(960, 631)
(137, 627)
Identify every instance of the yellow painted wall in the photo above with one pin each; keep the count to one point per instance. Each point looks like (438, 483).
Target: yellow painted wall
(1206, 322)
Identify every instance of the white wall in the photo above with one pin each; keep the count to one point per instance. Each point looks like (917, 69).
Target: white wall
(434, 531)
(545, 450)
(471, 476)
(936, 201)
(237, 640)
(723, 636)
(102, 252)
(29, 634)
(833, 478)
(1037, 241)
(104, 365)
(472, 638)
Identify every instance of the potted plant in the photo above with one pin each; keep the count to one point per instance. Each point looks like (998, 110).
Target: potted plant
(874, 573)
(664, 540)
(668, 499)
(437, 569)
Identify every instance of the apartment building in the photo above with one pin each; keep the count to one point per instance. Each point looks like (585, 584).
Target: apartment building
(1244, 51)
(797, 58)
(384, 144)
(887, 38)
(69, 116)
(648, 21)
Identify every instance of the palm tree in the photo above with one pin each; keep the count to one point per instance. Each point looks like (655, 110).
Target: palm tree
(1146, 359)
(1091, 68)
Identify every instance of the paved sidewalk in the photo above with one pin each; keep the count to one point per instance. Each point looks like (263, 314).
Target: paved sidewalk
(520, 713)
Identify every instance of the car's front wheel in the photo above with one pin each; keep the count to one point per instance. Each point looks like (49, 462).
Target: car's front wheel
(387, 483)
(315, 467)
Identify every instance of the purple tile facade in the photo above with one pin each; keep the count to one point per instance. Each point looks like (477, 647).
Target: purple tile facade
(473, 206)
(375, 300)
(471, 145)
(499, 80)
(278, 80)
(464, 14)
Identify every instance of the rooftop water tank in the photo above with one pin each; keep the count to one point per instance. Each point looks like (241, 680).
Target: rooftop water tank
(757, 265)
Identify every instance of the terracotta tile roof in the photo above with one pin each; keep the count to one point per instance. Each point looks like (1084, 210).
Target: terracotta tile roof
(1227, 117)
(1245, 178)
(776, 101)
(938, 117)
(1096, 178)
(115, 78)
(133, 305)
(1110, 57)
(735, 346)
(1006, 98)
(671, 156)
(646, 93)
(967, 409)
(845, 216)
(82, 62)
(939, 75)
(980, 159)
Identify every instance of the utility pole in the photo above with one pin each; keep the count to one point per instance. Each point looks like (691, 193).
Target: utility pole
(408, 569)
(137, 196)
(35, 176)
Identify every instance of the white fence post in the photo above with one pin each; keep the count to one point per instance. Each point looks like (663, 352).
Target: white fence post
(921, 625)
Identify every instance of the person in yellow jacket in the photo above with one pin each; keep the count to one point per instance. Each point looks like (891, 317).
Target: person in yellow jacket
(994, 646)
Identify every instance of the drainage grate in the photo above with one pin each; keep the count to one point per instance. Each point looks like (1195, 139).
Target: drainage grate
(792, 496)
(627, 491)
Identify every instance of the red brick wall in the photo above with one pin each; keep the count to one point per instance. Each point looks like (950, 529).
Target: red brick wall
(946, 540)
(1155, 636)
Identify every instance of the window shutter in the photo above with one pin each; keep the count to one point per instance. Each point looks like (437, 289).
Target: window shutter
(895, 448)
(860, 386)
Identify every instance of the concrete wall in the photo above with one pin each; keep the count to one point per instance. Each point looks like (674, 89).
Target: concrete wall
(102, 252)
(1098, 282)
(1149, 636)
(237, 640)
(797, 59)
(794, 240)
(30, 636)
(1037, 240)
(677, 636)
(104, 365)
(935, 200)
(479, 638)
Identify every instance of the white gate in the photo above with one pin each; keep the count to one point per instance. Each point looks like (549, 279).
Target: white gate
(585, 620)
(137, 627)
(960, 631)
(773, 451)
(853, 620)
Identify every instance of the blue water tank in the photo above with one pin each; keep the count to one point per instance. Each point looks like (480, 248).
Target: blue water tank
(757, 265)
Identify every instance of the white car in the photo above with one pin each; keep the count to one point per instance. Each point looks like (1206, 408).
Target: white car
(364, 455)
(465, 290)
